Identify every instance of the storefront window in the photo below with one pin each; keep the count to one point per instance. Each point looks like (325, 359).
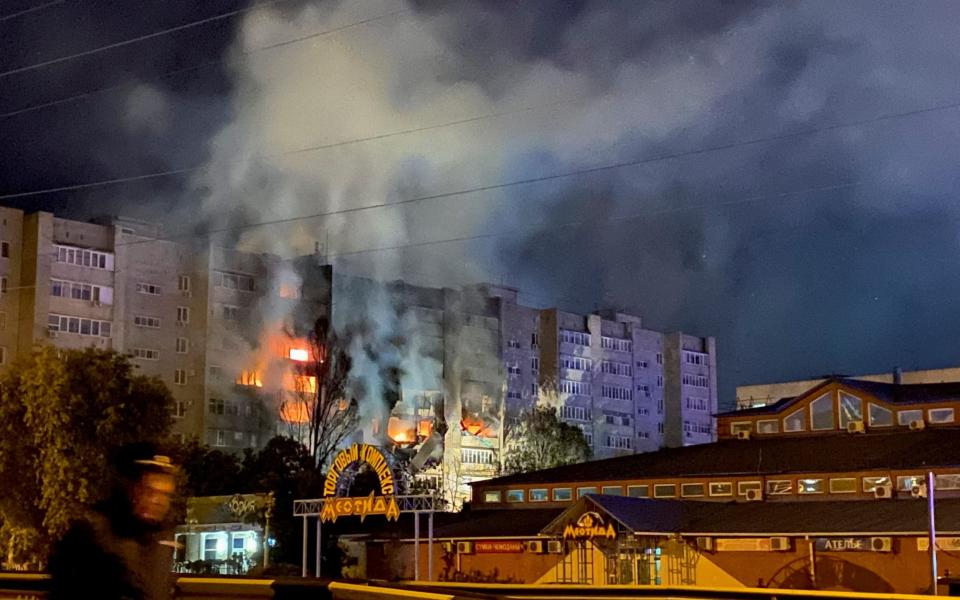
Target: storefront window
(638, 491)
(539, 495)
(562, 494)
(612, 490)
(745, 486)
(843, 485)
(872, 483)
(665, 490)
(581, 492)
(492, 496)
(781, 487)
(514, 495)
(906, 483)
(691, 490)
(947, 482)
(721, 488)
(810, 486)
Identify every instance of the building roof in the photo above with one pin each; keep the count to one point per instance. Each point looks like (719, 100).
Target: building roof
(836, 517)
(463, 524)
(889, 392)
(827, 453)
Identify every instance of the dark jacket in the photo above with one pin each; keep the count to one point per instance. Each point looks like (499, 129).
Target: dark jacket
(113, 558)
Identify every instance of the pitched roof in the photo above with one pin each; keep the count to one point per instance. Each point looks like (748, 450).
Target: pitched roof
(836, 517)
(463, 524)
(833, 452)
(894, 393)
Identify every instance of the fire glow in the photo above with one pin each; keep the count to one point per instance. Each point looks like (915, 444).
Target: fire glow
(299, 355)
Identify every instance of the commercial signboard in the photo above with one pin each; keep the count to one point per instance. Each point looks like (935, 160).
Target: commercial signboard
(943, 543)
(498, 547)
(853, 544)
(589, 526)
(765, 544)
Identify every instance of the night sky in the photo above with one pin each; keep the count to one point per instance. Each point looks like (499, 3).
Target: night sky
(787, 175)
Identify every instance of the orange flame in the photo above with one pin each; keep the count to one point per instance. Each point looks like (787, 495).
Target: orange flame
(294, 412)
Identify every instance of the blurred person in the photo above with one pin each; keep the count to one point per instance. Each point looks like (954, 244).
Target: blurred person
(122, 549)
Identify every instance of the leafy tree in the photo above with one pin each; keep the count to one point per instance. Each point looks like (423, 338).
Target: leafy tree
(208, 471)
(61, 413)
(322, 415)
(540, 440)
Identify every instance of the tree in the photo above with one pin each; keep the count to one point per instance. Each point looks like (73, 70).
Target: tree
(208, 471)
(62, 412)
(539, 440)
(321, 415)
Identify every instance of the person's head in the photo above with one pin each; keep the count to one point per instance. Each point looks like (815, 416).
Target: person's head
(147, 481)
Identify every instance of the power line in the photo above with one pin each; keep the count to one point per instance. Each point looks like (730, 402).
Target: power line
(138, 39)
(219, 61)
(30, 10)
(556, 176)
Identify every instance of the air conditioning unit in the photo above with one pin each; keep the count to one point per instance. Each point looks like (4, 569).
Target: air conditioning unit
(780, 544)
(754, 495)
(743, 435)
(919, 490)
(881, 544)
(535, 546)
(705, 543)
(883, 491)
(555, 547)
(917, 425)
(464, 547)
(856, 427)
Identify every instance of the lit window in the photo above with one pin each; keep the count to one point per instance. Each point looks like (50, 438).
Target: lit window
(940, 415)
(851, 409)
(691, 490)
(665, 490)
(810, 486)
(843, 485)
(299, 355)
(612, 490)
(906, 483)
(745, 426)
(905, 417)
(491, 496)
(745, 486)
(768, 426)
(721, 488)
(872, 483)
(880, 416)
(562, 494)
(514, 495)
(780, 487)
(949, 481)
(539, 495)
(583, 491)
(795, 421)
(821, 412)
(638, 491)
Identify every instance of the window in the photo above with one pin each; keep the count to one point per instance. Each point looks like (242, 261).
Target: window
(231, 313)
(638, 491)
(642, 364)
(768, 426)
(575, 388)
(148, 288)
(745, 486)
(81, 291)
(795, 421)
(905, 417)
(872, 483)
(146, 354)
(514, 495)
(739, 426)
(179, 409)
(583, 491)
(620, 442)
(851, 409)
(940, 415)
(233, 281)
(477, 456)
(221, 438)
(84, 258)
(575, 363)
(821, 412)
(514, 395)
(180, 377)
(183, 283)
(3, 355)
(618, 344)
(3, 320)
(643, 412)
(4, 249)
(949, 481)
(535, 364)
(611, 367)
(144, 321)
(696, 381)
(694, 358)
(659, 381)
(696, 404)
(691, 490)
(645, 389)
(616, 392)
(3, 285)
(183, 314)
(183, 345)
(534, 340)
(659, 358)
(92, 327)
(574, 337)
(810, 486)
(512, 343)
(780, 487)
(539, 495)
(216, 406)
(880, 416)
(665, 490)
(492, 496)
(843, 485)
(906, 483)
(513, 369)
(612, 490)
(721, 488)
(574, 413)
(533, 389)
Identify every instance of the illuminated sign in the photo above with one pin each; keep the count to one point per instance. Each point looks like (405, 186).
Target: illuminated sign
(752, 544)
(337, 506)
(854, 544)
(589, 526)
(498, 547)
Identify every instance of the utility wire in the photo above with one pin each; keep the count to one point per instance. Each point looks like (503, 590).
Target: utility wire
(219, 61)
(138, 39)
(555, 176)
(27, 11)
